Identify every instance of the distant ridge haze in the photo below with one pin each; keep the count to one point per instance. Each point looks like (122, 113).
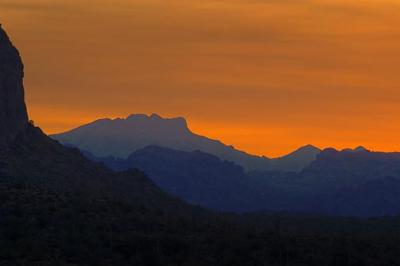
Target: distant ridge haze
(121, 136)
(349, 182)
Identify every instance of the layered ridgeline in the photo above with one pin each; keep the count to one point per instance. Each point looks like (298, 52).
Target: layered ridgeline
(196, 177)
(58, 208)
(120, 137)
(26, 153)
(347, 183)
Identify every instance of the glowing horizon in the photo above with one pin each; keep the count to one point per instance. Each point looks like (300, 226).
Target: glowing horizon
(264, 76)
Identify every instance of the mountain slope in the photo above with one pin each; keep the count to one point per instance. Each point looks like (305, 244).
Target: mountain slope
(297, 160)
(196, 177)
(346, 183)
(28, 155)
(121, 137)
(337, 169)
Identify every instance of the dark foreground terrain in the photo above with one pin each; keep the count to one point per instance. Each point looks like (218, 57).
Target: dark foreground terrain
(57, 208)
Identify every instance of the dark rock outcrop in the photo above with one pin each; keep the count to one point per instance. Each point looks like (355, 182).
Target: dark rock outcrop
(13, 114)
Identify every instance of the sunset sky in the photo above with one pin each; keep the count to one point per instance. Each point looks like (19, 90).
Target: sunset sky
(266, 76)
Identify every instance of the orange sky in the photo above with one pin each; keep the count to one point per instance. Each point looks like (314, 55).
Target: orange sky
(264, 75)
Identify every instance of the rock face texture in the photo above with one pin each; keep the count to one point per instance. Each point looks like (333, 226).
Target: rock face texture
(13, 114)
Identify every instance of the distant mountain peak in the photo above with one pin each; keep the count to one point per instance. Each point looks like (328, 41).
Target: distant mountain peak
(356, 150)
(120, 137)
(136, 116)
(309, 147)
(155, 116)
(297, 160)
(360, 149)
(175, 121)
(307, 150)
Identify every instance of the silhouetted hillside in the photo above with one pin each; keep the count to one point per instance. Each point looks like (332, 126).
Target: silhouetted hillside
(337, 169)
(350, 183)
(59, 209)
(295, 161)
(346, 183)
(196, 177)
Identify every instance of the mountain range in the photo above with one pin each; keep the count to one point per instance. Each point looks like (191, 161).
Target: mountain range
(211, 174)
(120, 137)
(59, 208)
(339, 183)
(196, 177)
(349, 183)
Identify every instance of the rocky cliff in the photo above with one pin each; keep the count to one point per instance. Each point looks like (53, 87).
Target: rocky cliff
(13, 114)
